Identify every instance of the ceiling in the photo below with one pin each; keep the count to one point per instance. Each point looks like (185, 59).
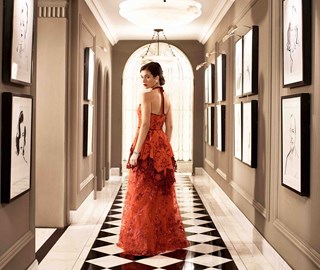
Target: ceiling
(117, 28)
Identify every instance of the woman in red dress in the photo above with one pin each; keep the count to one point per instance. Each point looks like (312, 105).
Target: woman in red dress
(151, 221)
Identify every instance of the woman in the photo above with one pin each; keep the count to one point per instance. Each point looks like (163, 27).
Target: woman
(151, 221)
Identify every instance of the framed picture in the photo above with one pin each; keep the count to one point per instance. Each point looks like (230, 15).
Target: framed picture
(238, 78)
(221, 127)
(16, 145)
(221, 77)
(209, 83)
(211, 125)
(250, 61)
(295, 137)
(238, 131)
(296, 39)
(249, 133)
(206, 125)
(18, 41)
(88, 73)
(88, 129)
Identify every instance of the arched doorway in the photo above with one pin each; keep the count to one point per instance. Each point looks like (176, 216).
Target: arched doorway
(179, 87)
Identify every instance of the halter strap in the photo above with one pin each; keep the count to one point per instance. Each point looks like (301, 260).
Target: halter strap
(162, 97)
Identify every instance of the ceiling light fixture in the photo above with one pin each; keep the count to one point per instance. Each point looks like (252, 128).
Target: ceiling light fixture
(160, 13)
(158, 51)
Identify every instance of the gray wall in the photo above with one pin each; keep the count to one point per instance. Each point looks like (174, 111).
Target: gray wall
(120, 54)
(288, 221)
(17, 234)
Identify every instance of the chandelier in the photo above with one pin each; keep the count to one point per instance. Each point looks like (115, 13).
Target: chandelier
(160, 13)
(158, 51)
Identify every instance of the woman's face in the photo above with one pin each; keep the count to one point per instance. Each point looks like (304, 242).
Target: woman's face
(148, 80)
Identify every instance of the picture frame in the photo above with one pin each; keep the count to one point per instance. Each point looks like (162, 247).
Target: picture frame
(16, 151)
(221, 127)
(209, 74)
(221, 77)
(89, 71)
(250, 132)
(206, 125)
(251, 61)
(18, 18)
(295, 143)
(238, 130)
(238, 74)
(88, 114)
(211, 125)
(296, 42)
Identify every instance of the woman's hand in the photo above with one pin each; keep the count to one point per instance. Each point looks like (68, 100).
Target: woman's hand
(134, 159)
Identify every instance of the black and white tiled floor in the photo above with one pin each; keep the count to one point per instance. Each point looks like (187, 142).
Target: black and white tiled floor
(207, 250)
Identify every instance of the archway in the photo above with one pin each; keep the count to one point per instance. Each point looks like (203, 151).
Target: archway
(179, 87)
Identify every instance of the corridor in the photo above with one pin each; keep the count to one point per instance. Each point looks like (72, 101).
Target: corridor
(219, 234)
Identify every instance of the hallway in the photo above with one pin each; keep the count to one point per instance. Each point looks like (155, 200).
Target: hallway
(219, 234)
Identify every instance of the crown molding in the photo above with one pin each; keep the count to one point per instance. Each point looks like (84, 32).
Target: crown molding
(53, 9)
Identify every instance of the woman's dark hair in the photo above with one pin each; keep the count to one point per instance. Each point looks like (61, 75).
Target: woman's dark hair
(155, 69)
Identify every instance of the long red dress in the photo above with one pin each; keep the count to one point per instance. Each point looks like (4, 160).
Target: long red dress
(151, 221)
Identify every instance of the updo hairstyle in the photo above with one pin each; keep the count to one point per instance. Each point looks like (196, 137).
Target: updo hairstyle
(155, 69)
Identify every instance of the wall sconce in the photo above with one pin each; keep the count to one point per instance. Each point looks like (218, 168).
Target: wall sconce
(232, 31)
(205, 64)
(201, 65)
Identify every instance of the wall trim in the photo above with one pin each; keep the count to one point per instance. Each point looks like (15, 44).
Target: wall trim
(53, 9)
(258, 206)
(86, 181)
(313, 255)
(209, 163)
(222, 174)
(9, 255)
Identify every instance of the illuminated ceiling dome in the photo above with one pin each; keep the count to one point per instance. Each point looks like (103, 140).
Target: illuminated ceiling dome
(160, 13)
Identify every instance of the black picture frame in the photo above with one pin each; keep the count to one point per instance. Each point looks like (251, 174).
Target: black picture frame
(251, 61)
(238, 68)
(221, 127)
(88, 116)
(18, 17)
(295, 143)
(221, 77)
(209, 75)
(211, 125)
(250, 133)
(238, 130)
(16, 152)
(89, 73)
(296, 42)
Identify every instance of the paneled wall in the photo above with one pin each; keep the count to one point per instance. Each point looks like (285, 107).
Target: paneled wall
(286, 219)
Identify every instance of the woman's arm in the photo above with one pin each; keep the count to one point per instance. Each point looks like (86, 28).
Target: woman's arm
(144, 128)
(169, 125)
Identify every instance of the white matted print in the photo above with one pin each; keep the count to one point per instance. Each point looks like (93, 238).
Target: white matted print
(238, 130)
(238, 80)
(221, 77)
(221, 112)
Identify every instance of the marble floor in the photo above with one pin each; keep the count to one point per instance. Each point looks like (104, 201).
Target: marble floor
(220, 235)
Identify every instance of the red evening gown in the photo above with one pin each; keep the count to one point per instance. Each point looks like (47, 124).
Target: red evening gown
(151, 221)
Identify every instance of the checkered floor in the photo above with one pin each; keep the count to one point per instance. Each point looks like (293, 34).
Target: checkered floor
(206, 251)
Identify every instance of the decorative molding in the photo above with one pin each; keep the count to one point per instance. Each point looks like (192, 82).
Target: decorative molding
(222, 174)
(209, 163)
(258, 206)
(6, 257)
(53, 9)
(86, 181)
(214, 19)
(96, 9)
(313, 255)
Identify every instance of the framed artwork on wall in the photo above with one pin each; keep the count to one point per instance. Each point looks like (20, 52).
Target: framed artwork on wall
(249, 132)
(206, 125)
(221, 77)
(88, 73)
(295, 138)
(238, 73)
(251, 61)
(16, 145)
(87, 129)
(221, 127)
(211, 125)
(18, 41)
(296, 39)
(209, 74)
(238, 130)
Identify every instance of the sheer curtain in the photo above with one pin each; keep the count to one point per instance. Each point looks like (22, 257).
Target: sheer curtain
(179, 87)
